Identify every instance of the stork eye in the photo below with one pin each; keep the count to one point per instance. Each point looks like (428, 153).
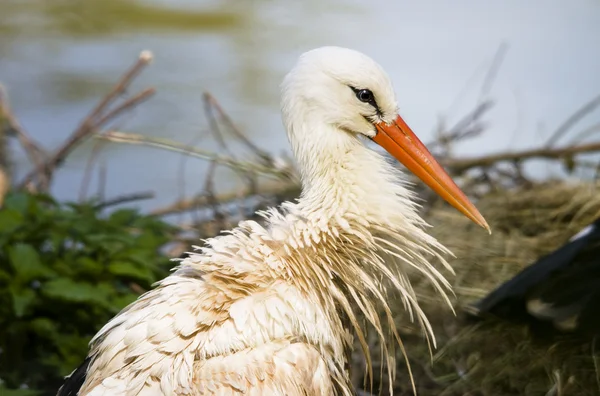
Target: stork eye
(365, 95)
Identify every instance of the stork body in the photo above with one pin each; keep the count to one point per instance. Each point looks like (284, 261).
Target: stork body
(258, 311)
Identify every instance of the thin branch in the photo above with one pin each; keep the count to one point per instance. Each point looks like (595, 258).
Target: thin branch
(587, 132)
(132, 138)
(273, 188)
(572, 120)
(125, 199)
(466, 127)
(34, 152)
(96, 118)
(4, 183)
(461, 165)
(215, 104)
(209, 104)
(214, 125)
(211, 198)
(492, 72)
(87, 172)
(102, 180)
(143, 60)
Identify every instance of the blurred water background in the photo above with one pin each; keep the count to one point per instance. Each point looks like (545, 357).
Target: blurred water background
(58, 58)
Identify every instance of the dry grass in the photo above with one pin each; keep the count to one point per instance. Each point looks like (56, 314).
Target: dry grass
(494, 358)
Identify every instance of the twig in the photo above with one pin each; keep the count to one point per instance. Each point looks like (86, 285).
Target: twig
(214, 104)
(273, 188)
(492, 72)
(126, 105)
(96, 118)
(132, 138)
(143, 60)
(210, 103)
(214, 125)
(125, 199)
(461, 165)
(211, 198)
(4, 177)
(587, 132)
(466, 127)
(32, 149)
(572, 120)
(87, 172)
(102, 176)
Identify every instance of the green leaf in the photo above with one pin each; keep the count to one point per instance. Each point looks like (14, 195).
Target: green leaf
(130, 270)
(18, 392)
(72, 350)
(122, 301)
(77, 292)
(44, 326)
(141, 257)
(22, 299)
(149, 241)
(18, 201)
(63, 265)
(123, 217)
(112, 243)
(88, 267)
(85, 262)
(5, 277)
(26, 262)
(10, 220)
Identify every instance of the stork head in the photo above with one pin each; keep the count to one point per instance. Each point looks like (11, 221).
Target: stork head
(343, 88)
(353, 96)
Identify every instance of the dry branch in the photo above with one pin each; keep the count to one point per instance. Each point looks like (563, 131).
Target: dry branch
(461, 165)
(492, 72)
(212, 103)
(468, 126)
(166, 144)
(4, 185)
(573, 119)
(456, 166)
(267, 188)
(11, 125)
(125, 199)
(99, 116)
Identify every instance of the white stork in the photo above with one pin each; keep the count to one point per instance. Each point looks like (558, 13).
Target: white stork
(259, 310)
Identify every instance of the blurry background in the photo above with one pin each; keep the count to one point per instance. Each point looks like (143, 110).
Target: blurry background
(57, 59)
(527, 69)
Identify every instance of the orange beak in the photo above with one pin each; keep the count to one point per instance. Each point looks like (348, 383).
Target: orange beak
(401, 142)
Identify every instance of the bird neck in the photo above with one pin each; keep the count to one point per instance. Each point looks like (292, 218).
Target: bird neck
(340, 175)
(354, 231)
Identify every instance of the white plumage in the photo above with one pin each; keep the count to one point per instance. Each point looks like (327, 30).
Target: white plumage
(270, 309)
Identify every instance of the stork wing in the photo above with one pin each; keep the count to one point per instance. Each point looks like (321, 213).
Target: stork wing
(562, 287)
(152, 342)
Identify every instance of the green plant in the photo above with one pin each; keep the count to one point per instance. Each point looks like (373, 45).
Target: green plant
(65, 270)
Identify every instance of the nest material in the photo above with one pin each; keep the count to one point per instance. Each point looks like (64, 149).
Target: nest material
(493, 357)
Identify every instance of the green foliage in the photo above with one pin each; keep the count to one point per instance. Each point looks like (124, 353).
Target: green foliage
(65, 270)
(17, 392)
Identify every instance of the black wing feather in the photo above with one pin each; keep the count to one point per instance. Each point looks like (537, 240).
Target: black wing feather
(565, 284)
(74, 382)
